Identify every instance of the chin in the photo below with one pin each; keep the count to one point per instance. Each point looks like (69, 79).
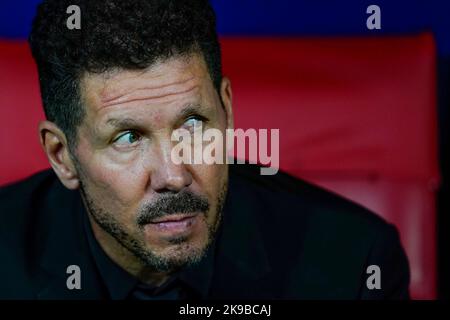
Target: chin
(168, 251)
(179, 256)
(182, 248)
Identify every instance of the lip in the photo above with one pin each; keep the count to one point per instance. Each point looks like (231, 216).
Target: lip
(174, 225)
(173, 218)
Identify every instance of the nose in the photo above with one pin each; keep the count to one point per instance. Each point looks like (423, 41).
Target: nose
(167, 176)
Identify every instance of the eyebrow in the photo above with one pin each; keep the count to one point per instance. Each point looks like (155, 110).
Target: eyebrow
(122, 123)
(192, 108)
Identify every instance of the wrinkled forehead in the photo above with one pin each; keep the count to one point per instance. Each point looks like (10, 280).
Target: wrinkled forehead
(163, 80)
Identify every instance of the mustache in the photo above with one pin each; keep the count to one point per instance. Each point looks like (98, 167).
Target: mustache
(183, 202)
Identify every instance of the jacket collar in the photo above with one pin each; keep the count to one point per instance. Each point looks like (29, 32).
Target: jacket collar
(242, 242)
(242, 256)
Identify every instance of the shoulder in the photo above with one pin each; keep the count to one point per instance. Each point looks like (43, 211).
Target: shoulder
(24, 206)
(320, 243)
(22, 229)
(287, 197)
(25, 209)
(20, 198)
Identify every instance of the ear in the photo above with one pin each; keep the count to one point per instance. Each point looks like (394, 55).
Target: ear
(54, 143)
(227, 98)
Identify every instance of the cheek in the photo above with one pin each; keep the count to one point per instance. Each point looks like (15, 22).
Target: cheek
(210, 179)
(119, 187)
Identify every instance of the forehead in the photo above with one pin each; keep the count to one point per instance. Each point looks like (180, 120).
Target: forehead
(162, 82)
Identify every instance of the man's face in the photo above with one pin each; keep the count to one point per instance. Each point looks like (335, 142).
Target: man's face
(164, 214)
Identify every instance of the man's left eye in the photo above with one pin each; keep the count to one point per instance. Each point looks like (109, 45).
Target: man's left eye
(194, 123)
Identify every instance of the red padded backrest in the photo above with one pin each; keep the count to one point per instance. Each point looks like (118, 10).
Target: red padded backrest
(356, 116)
(20, 113)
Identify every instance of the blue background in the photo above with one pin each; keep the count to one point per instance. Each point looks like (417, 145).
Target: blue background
(290, 17)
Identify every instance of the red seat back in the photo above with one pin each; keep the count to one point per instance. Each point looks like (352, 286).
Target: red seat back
(20, 113)
(356, 116)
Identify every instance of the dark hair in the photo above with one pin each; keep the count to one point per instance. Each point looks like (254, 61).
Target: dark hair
(114, 34)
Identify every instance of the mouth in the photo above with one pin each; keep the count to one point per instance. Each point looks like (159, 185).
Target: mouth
(173, 218)
(175, 224)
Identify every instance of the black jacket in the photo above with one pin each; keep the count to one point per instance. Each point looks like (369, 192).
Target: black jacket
(282, 238)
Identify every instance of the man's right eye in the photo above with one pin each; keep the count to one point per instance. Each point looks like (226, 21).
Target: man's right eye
(126, 139)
